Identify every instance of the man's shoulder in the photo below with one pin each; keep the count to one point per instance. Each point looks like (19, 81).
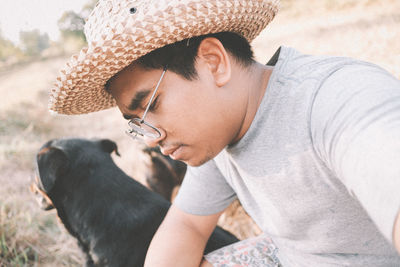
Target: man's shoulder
(295, 65)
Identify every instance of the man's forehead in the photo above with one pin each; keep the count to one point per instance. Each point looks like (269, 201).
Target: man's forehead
(120, 80)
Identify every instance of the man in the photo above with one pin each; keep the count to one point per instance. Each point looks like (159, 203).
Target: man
(310, 145)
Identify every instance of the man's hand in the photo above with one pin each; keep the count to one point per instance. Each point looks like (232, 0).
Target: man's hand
(205, 263)
(181, 239)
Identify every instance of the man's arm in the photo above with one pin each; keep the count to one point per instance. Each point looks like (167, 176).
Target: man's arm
(180, 240)
(396, 233)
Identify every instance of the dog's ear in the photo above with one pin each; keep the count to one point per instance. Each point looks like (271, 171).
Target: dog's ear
(109, 146)
(52, 162)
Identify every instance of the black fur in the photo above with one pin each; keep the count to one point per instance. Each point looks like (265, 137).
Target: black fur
(112, 216)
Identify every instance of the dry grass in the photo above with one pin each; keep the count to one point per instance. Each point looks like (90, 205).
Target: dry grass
(365, 29)
(29, 237)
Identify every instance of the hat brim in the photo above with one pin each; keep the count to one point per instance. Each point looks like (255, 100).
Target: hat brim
(79, 88)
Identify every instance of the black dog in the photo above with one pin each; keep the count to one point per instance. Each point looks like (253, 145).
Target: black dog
(112, 216)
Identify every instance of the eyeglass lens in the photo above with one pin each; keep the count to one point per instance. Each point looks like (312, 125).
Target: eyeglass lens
(142, 129)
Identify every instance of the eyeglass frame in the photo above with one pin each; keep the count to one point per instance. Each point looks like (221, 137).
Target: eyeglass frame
(141, 121)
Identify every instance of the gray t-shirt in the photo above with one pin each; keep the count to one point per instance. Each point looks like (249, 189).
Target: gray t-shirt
(319, 168)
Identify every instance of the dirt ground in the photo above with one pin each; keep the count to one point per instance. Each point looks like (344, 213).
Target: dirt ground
(365, 29)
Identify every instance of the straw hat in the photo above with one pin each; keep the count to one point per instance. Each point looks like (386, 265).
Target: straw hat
(120, 31)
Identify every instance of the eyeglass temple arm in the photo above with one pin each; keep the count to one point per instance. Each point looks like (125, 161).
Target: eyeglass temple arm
(152, 96)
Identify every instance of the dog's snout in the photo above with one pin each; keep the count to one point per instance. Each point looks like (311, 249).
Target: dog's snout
(41, 198)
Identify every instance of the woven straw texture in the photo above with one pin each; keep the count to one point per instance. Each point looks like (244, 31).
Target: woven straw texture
(120, 31)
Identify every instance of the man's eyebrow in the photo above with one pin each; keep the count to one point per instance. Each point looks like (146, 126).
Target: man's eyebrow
(138, 98)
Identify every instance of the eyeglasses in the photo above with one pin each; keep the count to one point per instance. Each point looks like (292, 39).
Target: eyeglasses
(139, 128)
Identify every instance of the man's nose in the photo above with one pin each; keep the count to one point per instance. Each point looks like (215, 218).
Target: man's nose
(152, 142)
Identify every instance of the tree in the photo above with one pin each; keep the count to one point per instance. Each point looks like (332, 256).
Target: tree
(7, 49)
(33, 42)
(71, 24)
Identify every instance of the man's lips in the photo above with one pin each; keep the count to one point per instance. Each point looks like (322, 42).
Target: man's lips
(169, 151)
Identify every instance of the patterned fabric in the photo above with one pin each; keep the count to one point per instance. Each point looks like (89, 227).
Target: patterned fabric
(255, 252)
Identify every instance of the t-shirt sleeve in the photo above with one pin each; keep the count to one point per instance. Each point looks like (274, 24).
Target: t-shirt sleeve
(355, 126)
(204, 190)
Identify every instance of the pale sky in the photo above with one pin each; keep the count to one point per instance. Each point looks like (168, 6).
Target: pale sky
(26, 15)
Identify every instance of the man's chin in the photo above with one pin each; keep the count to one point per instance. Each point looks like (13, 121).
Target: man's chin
(196, 162)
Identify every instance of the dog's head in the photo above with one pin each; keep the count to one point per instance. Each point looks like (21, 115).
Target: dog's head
(164, 173)
(56, 158)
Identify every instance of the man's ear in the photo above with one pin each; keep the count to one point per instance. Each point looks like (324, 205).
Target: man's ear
(109, 146)
(52, 163)
(213, 53)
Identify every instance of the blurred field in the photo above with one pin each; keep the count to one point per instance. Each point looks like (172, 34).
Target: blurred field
(364, 29)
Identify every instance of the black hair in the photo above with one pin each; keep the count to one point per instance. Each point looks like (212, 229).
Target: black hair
(180, 57)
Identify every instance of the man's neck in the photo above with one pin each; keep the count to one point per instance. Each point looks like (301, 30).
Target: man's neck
(254, 81)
